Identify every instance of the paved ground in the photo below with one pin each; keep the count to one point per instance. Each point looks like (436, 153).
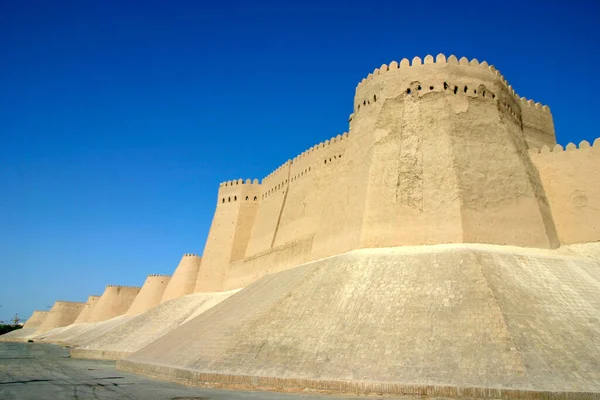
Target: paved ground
(43, 371)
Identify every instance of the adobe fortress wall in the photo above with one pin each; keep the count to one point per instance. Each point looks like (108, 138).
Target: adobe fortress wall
(62, 313)
(87, 309)
(150, 294)
(36, 319)
(184, 278)
(570, 178)
(229, 234)
(115, 301)
(437, 152)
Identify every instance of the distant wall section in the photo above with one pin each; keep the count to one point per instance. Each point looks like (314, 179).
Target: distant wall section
(184, 278)
(150, 294)
(36, 319)
(115, 301)
(62, 313)
(87, 309)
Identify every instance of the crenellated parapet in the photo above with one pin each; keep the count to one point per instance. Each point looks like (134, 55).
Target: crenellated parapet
(190, 255)
(558, 149)
(159, 276)
(416, 64)
(65, 303)
(277, 181)
(123, 287)
(302, 164)
(463, 77)
(320, 146)
(237, 182)
(238, 190)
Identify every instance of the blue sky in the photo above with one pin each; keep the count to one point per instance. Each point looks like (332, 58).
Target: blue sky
(118, 119)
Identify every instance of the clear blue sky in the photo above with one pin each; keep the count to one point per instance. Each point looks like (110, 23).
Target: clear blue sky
(118, 119)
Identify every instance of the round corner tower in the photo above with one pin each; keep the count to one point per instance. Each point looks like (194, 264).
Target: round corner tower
(441, 149)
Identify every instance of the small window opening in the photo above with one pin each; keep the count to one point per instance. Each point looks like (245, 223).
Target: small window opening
(255, 198)
(483, 94)
(229, 199)
(475, 91)
(493, 96)
(455, 89)
(246, 198)
(325, 162)
(419, 87)
(445, 86)
(223, 199)
(374, 97)
(408, 91)
(430, 87)
(466, 88)
(234, 198)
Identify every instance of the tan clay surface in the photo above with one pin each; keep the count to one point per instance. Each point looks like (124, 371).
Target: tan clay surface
(184, 278)
(150, 294)
(135, 333)
(449, 315)
(19, 335)
(115, 301)
(76, 333)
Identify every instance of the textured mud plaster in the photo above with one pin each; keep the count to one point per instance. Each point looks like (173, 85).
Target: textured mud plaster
(450, 316)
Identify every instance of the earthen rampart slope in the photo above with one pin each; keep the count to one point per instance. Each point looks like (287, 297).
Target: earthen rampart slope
(184, 278)
(570, 180)
(87, 309)
(150, 294)
(115, 301)
(36, 319)
(62, 313)
(458, 320)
